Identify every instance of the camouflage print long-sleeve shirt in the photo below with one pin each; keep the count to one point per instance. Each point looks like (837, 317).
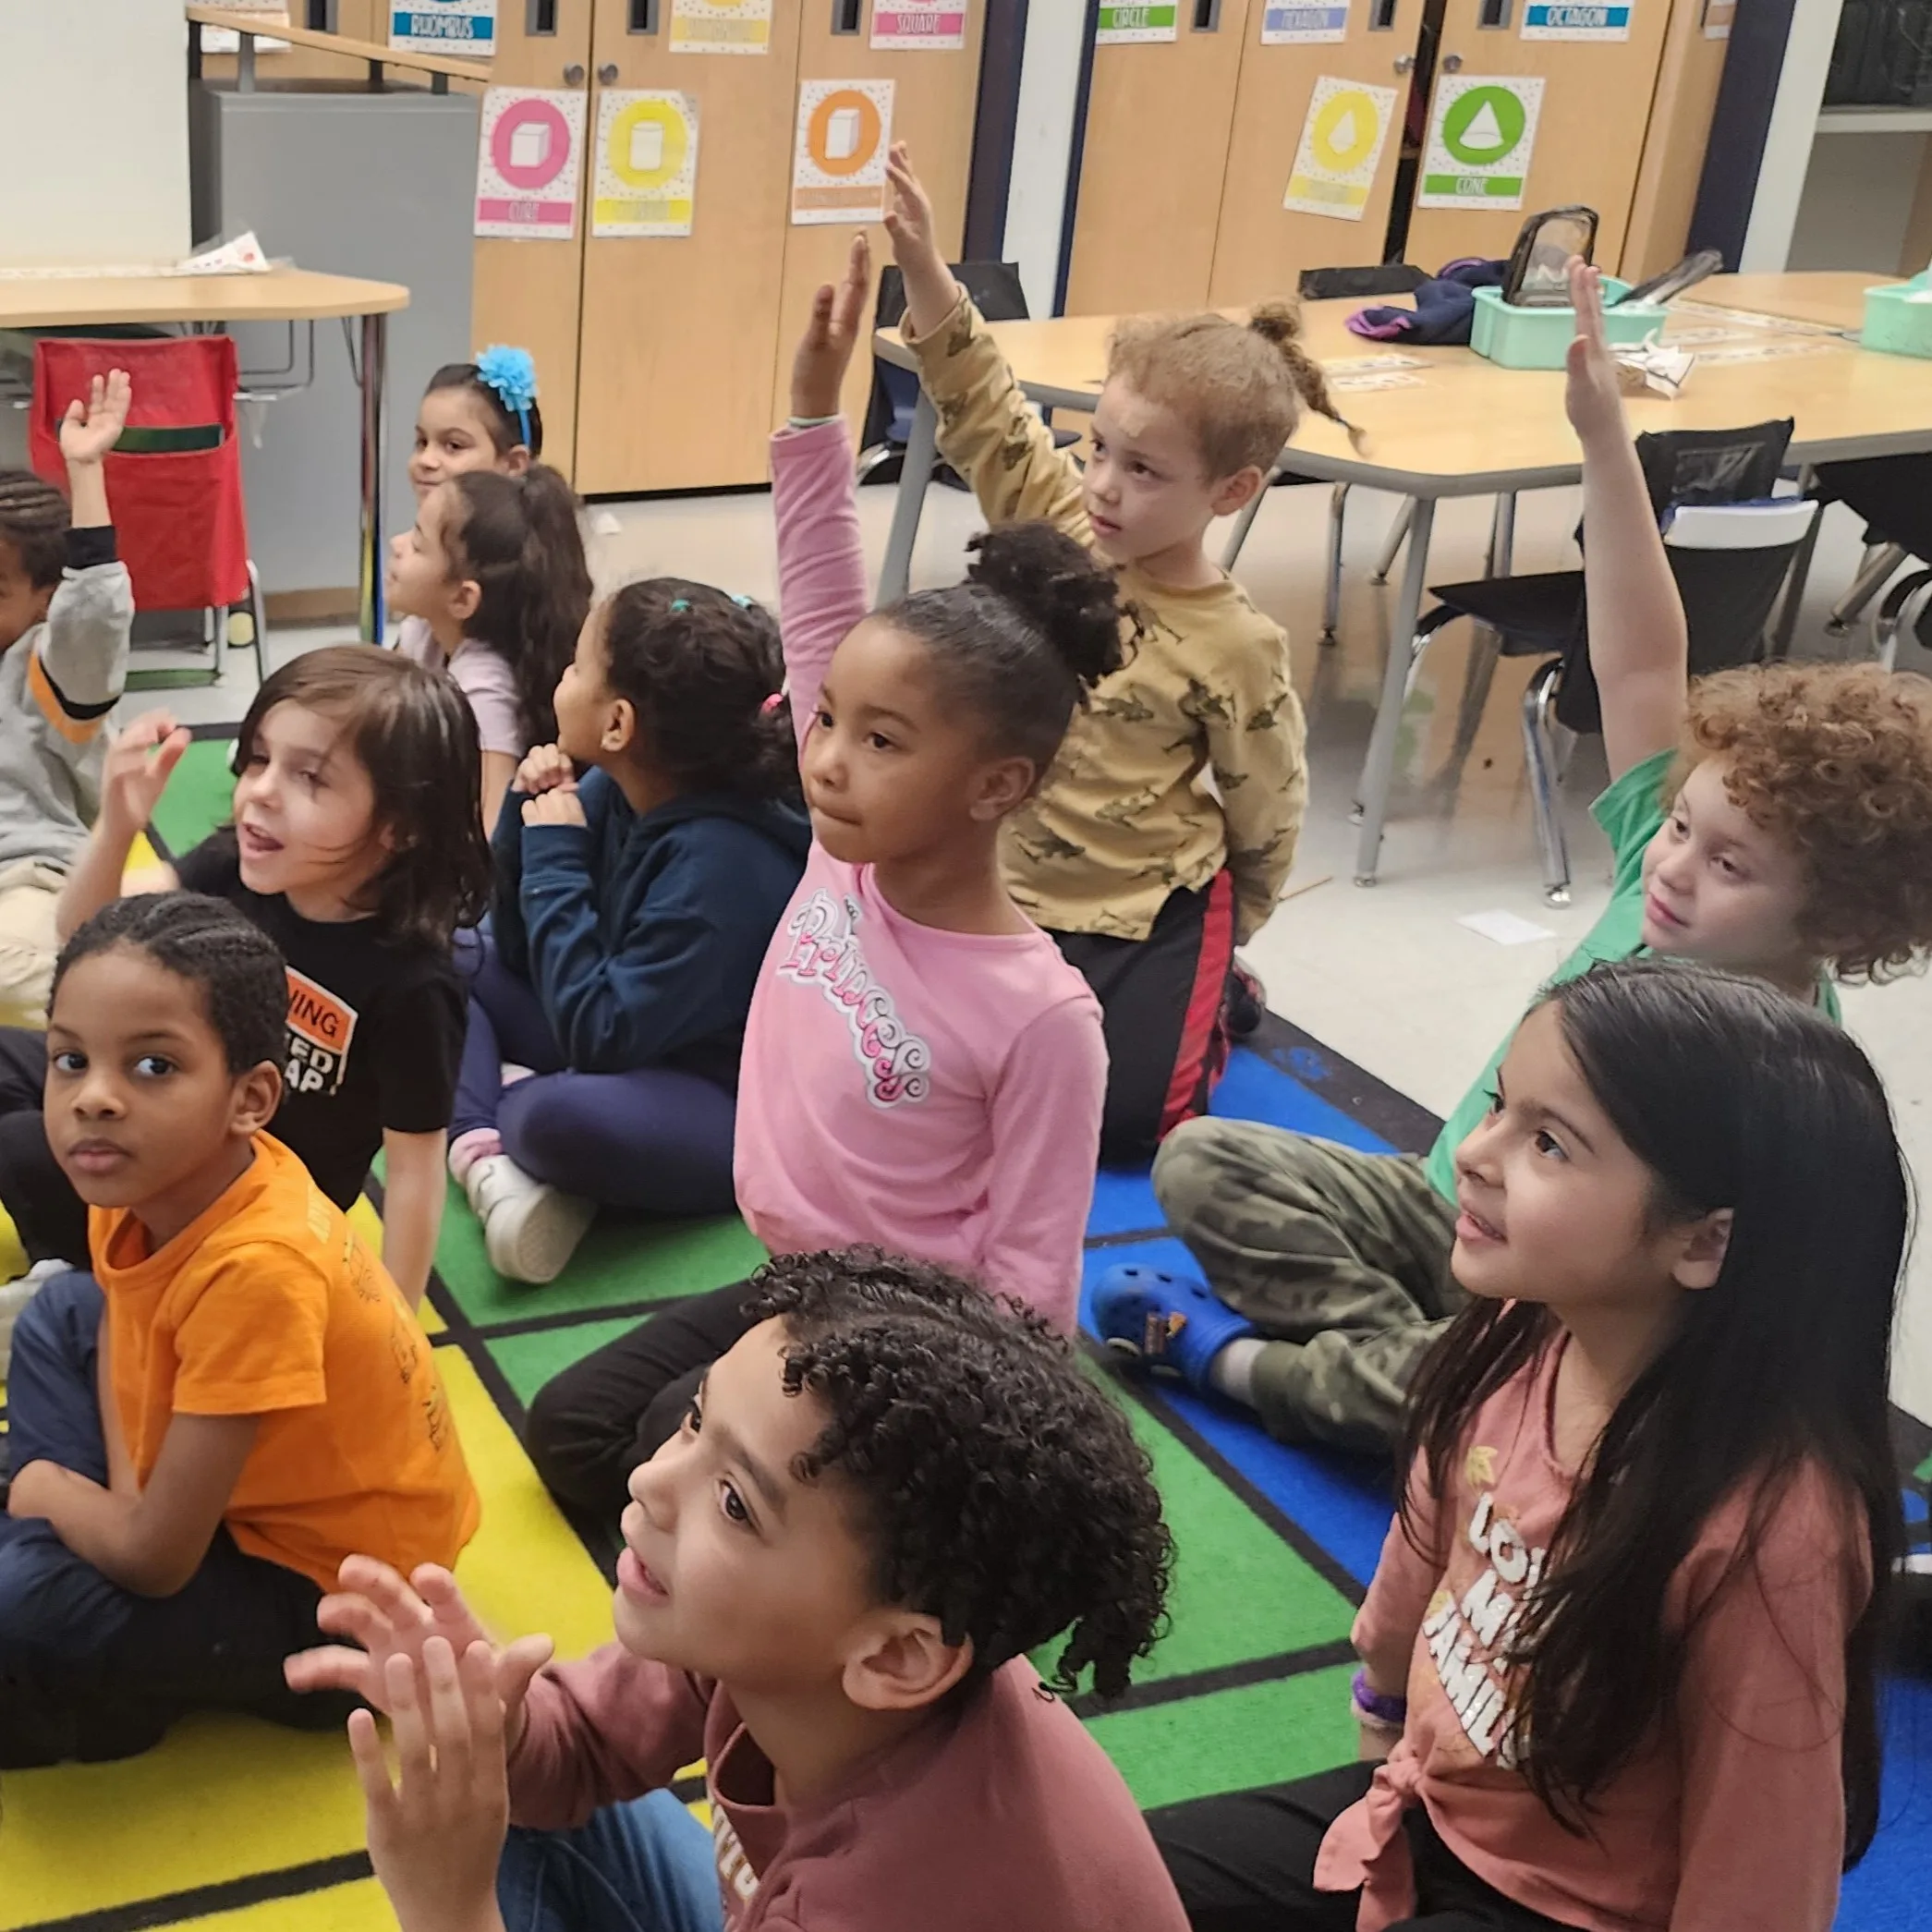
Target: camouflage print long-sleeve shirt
(1126, 815)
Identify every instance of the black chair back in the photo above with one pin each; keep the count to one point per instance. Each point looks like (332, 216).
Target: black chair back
(997, 293)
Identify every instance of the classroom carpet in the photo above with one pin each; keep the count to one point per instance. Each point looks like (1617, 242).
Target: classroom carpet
(234, 1826)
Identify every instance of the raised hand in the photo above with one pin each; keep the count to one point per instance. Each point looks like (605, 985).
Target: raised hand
(392, 1618)
(139, 764)
(91, 429)
(436, 1835)
(543, 766)
(908, 209)
(1591, 397)
(825, 350)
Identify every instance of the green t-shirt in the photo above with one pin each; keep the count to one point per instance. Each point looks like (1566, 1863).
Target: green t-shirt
(1630, 813)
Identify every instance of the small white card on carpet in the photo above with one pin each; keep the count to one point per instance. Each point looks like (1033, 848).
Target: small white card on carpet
(1506, 927)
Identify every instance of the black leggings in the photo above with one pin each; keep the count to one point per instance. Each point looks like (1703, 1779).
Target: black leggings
(49, 1216)
(1246, 1862)
(590, 1426)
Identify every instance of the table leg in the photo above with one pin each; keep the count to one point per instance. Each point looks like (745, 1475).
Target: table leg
(915, 473)
(1379, 767)
(374, 379)
(1800, 570)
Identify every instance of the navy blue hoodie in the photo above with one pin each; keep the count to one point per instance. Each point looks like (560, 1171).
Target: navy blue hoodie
(643, 934)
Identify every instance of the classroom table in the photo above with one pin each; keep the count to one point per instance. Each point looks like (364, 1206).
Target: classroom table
(80, 300)
(1832, 298)
(1468, 428)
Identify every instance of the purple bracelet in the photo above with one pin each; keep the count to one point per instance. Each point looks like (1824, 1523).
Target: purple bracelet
(1381, 1707)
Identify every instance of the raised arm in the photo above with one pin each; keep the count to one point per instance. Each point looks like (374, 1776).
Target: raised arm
(136, 773)
(1639, 645)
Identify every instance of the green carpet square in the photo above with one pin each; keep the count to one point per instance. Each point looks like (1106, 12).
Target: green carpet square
(1230, 1741)
(530, 1361)
(198, 796)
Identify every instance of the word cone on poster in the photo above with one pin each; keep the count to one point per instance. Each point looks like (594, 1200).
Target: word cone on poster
(838, 161)
(646, 183)
(1342, 144)
(467, 28)
(720, 26)
(918, 30)
(1482, 137)
(530, 151)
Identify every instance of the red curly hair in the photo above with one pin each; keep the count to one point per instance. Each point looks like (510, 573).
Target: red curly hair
(1838, 760)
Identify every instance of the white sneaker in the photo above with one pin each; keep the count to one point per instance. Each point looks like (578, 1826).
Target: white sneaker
(530, 1230)
(14, 1297)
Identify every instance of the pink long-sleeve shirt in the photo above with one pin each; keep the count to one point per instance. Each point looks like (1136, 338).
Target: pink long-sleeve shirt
(937, 1093)
(1732, 1816)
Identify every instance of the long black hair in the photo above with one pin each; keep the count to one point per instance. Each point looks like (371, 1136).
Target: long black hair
(517, 537)
(1735, 1097)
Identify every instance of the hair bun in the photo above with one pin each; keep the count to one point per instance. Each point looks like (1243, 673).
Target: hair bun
(1056, 584)
(1279, 323)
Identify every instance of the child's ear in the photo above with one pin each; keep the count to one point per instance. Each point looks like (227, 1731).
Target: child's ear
(901, 1660)
(619, 727)
(1237, 491)
(1707, 1242)
(1002, 786)
(258, 1093)
(464, 595)
(517, 461)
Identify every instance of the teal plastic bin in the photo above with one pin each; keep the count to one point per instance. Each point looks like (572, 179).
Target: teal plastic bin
(1895, 323)
(1539, 339)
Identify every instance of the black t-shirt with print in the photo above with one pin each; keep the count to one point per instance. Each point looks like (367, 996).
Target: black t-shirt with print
(376, 1030)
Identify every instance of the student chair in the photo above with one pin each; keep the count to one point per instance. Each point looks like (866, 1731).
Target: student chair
(1321, 285)
(1893, 494)
(174, 480)
(1730, 545)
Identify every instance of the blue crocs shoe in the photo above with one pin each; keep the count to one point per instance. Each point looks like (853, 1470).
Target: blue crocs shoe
(1165, 1322)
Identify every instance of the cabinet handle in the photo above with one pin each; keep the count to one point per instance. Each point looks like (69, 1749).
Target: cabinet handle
(574, 75)
(1405, 63)
(607, 74)
(1451, 63)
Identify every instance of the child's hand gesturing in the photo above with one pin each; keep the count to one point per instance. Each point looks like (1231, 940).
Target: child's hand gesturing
(825, 350)
(436, 1834)
(908, 211)
(137, 769)
(91, 429)
(1591, 397)
(544, 767)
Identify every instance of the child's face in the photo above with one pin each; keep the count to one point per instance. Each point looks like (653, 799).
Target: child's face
(140, 1100)
(453, 436)
(423, 579)
(1721, 888)
(1146, 491)
(586, 710)
(890, 771)
(734, 1568)
(1553, 1207)
(305, 812)
(23, 603)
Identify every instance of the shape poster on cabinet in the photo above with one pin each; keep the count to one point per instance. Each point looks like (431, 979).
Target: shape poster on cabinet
(838, 157)
(720, 26)
(529, 151)
(1482, 135)
(1122, 25)
(647, 164)
(919, 29)
(1303, 24)
(465, 28)
(1340, 148)
(1576, 20)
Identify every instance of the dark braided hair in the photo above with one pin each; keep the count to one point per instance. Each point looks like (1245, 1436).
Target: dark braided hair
(1035, 626)
(1001, 1491)
(700, 669)
(516, 538)
(34, 518)
(235, 966)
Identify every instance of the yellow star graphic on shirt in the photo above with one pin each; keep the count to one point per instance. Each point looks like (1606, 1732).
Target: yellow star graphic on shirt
(1479, 1467)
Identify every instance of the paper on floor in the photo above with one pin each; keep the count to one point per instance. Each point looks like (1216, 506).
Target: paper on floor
(1506, 927)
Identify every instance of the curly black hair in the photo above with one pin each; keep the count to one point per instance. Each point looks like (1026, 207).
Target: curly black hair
(235, 965)
(1002, 1489)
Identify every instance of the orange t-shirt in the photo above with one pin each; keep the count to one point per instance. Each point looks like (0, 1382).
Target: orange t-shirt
(268, 1304)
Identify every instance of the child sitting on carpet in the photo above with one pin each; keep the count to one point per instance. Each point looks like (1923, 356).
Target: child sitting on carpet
(1146, 879)
(633, 910)
(495, 568)
(1775, 819)
(921, 1066)
(1620, 1649)
(199, 1440)
(889, 1490)
(358, 847)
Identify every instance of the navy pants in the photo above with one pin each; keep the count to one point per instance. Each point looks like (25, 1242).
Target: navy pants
(87, 1669)
(653, 1139)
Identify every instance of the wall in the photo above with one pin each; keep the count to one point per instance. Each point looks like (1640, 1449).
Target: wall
(1857, 209)
(1042, 145)
(93, 132)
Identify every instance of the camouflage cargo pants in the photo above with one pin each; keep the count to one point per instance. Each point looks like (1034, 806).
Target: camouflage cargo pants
(1340, 1259)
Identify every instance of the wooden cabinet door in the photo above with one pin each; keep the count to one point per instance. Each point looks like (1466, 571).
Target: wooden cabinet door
(1590, 137)
(680, 334)
(527, 292)
(1260, 247)
(1154, 163)
(935, 96)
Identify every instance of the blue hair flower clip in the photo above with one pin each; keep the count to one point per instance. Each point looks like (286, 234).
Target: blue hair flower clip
(512, 374)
